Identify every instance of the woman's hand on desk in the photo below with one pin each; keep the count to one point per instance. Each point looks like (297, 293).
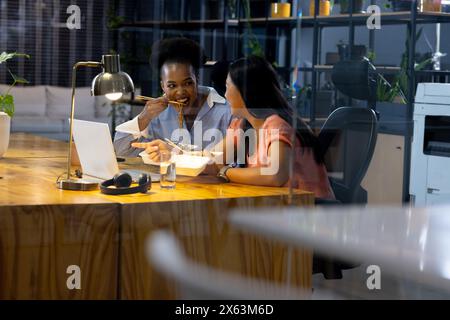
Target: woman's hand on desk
(213, 169)
(152, 109)
(152, 148)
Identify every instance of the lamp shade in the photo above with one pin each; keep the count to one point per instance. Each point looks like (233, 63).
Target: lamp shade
(111, 82)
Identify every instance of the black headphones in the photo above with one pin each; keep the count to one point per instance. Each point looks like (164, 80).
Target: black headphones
(122, 182)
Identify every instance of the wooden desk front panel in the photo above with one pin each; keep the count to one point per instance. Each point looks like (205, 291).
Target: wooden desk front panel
(203, 230)
(43, 230)
(38, 243)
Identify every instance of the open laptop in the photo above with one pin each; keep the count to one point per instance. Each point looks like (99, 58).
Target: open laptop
(96, 152)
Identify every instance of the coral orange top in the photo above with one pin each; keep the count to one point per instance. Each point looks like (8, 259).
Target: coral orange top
(308, 175)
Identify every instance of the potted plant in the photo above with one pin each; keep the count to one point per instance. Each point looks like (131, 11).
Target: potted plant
(398, 90)
(303, 101)
(232, 9)
(402, 79)
(7, 103)
(357, 6)
(392, 96)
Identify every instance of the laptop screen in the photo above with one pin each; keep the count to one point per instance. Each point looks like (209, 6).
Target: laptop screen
(95, 149)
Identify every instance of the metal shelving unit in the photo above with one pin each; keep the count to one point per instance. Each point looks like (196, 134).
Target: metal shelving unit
(318, 23)
(175, 24)
(411, 19)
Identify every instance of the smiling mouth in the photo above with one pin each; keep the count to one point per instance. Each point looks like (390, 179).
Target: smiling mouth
(183, 101)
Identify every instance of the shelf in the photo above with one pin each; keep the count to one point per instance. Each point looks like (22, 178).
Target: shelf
(387, 18)
(192, 24)
(433, 72)
(380, 69)
(329, 68)
(280, 22)
(210, 23)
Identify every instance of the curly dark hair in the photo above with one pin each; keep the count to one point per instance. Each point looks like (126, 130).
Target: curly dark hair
(179, 50)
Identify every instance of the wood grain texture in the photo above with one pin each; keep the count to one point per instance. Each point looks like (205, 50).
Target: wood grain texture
(44, 229)
(384, 177)
(38, 243)
(32, 181)
(25, 181)
(203, 229)
(24, 145)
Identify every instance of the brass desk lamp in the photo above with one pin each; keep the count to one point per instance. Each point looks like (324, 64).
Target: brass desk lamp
(112, 83)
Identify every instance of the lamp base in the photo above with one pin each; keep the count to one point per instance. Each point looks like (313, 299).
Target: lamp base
(77, 185)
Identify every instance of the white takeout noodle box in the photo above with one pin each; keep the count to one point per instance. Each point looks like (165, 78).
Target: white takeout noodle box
(186, 165)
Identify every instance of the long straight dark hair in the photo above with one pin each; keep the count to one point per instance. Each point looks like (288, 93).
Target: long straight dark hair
(260, 89)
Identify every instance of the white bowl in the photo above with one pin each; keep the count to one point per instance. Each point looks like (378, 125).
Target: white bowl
(186, 165)
(192, 166)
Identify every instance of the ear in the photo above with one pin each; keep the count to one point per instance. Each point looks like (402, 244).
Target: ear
(162, 85)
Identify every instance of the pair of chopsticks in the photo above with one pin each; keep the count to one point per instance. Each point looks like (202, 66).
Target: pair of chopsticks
(172, 144)
(145, 98)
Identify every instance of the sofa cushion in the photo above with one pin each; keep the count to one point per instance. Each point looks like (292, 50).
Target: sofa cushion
(104, 120)
(34, 124)
(28, 101)
(59, 103)
(102, 106)
(3, 88)
(66, 122)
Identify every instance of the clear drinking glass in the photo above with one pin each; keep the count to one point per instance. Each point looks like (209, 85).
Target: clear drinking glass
(167, 169)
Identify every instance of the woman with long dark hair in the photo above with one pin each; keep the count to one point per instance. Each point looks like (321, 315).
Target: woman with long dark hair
(255, 96)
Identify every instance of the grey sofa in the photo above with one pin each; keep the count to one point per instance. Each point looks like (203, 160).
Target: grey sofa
(45, 110)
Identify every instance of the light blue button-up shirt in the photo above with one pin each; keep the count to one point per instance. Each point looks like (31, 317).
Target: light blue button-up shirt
(209, 126)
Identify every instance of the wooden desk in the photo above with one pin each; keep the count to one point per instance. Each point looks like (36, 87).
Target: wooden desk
(22, 145)
(43, 230)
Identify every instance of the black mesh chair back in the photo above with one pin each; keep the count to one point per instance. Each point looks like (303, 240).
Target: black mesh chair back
(356, 79)
(348, 139)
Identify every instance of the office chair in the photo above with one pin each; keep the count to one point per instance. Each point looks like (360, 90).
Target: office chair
(348, 139)
(197, 281)
(356, 79)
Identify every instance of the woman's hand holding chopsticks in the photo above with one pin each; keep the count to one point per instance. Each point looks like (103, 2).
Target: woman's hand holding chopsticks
(153, 107)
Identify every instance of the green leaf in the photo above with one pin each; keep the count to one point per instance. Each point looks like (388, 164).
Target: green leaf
(113, 21)
(423, 64)
(400, 84)
(7, 104)
(384, 91)
(4, 56)
(419, 33)
(371, 56)
(18, 79)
